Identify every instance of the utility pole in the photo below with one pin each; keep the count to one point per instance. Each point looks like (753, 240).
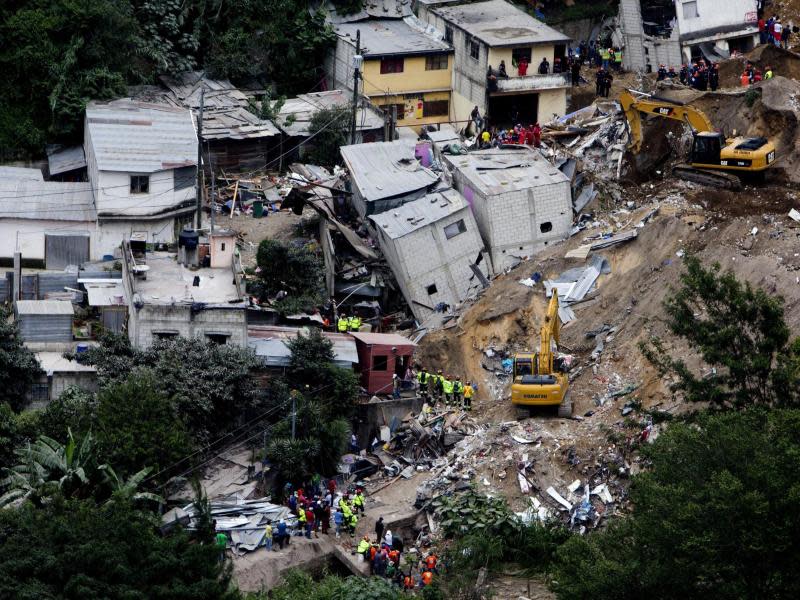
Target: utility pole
(294, 413)
(213, 190)
(393, 124)
(200, 185)
(357, 58)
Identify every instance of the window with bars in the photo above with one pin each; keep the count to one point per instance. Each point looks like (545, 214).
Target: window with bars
(437, 62)
(140, 184)
(436, 108)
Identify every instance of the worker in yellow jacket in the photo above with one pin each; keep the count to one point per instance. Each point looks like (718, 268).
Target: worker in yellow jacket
(447, 388)
(469, 391)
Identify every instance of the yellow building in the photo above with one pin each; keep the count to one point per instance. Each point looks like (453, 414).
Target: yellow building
(403, 67)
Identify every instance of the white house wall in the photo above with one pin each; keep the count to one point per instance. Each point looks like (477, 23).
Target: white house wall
(113, 194)
(715, 15)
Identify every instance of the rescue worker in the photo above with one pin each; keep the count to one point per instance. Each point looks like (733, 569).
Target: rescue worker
(469, 391)
(429, 564)
(342, 324)
(438, 386)
(358, 501)
(618, 60)
(447, 388)
(605, 55)
(458, 392)
(607, 83)
(354, 323)
(671, 74)
(768, 73)
(301, 519)
(422, 378)
(351, 524)
(713, 77)
(426, 579)
(363, 547)
(537, 135)
(599, 80)
(662, 73)
(684, 74)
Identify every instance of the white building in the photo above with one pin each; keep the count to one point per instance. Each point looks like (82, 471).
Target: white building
(520, 201)
(671, 33)
(141, 164)
(430, 244)
(485, 33)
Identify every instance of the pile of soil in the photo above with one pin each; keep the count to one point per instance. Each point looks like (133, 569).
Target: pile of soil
(783, 62)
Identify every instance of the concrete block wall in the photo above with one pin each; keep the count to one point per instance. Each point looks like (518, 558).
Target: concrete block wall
(154, 318)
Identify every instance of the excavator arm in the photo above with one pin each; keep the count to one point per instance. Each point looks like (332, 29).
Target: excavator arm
(632, 107)
(550, 332)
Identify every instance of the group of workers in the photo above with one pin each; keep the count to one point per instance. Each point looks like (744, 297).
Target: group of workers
(773, 31)
(752, 75)
(519, 134)
(384, 554)
(345, 323)
(436, 387)
(602, 81)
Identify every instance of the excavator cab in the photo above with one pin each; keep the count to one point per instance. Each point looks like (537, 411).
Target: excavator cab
(707, 148)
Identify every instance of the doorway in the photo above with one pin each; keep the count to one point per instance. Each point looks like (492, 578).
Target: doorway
(507, 111)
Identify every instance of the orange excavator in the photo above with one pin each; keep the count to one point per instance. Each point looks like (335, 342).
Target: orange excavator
(714, 159)
(539, 378)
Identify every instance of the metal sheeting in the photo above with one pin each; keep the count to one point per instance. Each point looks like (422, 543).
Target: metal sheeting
(138, 137)
(411, 216)
(295, 115)
(46, 200)
(61, 250)
(66, 159)
(379, 9)
(269, 344)
(44, 320)
(21, 173)
(386, 169)
(384, 37)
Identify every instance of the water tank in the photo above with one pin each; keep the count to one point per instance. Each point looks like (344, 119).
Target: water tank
(188, 239)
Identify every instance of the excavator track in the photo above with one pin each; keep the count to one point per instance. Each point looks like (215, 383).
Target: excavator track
(717, 179)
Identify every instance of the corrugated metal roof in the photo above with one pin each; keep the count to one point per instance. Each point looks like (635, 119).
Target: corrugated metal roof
(21, 173)
(269, 343)
(497, 171)
(44, 307)
(186, 89)
(382, 37)
(386, 169)
(420, 213)
(235, 123)
(498, 23)
(383, 339)
(66, 159)
(137, 137)
(106, 294)
(294, 118)
(46, 200)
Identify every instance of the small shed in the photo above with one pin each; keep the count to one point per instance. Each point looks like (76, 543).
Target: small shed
(44, 320)
(269, 344)
(108, 297)
(380, 356)
(58, 373)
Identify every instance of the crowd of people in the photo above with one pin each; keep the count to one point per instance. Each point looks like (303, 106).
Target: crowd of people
(383, 554)
(773, 31)
(438, 387)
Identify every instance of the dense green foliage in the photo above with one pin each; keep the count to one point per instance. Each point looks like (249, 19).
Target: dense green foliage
(296, 270)
(209, 384)
(714, 517)
(330, 130)
(300, 586)
(76, 550)
(56, 55)
(737, 330)
(18, 365)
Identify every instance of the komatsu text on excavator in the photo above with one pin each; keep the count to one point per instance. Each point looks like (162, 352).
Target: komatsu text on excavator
(540, 379)
(714, 159)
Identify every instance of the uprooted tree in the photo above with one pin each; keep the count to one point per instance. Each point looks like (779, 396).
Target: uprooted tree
(738, 331)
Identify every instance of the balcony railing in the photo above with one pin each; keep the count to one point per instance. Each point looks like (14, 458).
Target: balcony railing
(528, 83)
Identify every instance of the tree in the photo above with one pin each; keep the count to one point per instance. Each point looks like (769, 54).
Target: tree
(300, 586)
(330, 130)
(210, 384)
(75, 549)
(714, 517)
(18, 365)
(137, 426)
(128, 489)
(737, 330)
(295, 270)
(74, 410)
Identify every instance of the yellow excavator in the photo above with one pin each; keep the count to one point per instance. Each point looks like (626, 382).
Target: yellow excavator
(539, 378)
(714, 159)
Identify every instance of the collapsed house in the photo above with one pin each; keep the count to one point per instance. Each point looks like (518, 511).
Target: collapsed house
(385, 176)
(435, 251)
(657, 32)
(521, 202)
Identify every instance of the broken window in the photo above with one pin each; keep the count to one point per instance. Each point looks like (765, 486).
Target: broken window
(546, 227)
(454, 229)
(431, 289)
(658, 17)
(392, 65)
(435, 108)
(437, 62)
(140, 184)
(690, 10)
(380, 363)
(474, 50)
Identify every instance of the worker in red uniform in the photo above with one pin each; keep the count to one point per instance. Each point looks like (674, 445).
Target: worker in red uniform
(537, 135)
